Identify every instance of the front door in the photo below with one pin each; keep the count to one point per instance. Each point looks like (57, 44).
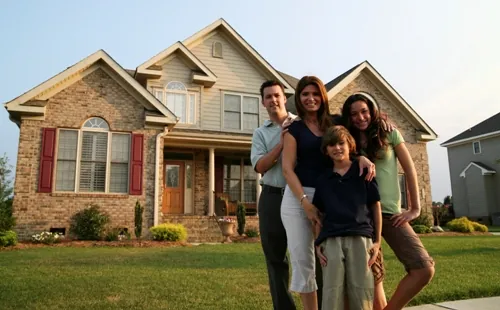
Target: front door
(173, 192)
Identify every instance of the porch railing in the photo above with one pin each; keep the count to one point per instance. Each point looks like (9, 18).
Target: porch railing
(225, 205)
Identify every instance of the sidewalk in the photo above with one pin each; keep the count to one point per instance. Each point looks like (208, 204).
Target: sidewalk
(491, 303)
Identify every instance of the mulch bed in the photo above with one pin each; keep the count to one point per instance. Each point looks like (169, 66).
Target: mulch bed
(451, 233)
(89, 244)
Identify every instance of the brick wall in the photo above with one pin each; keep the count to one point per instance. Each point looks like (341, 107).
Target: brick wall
(418, 150)
(97, 94)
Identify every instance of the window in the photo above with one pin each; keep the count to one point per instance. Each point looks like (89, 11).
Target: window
(402, 189)
(217, 50)
(93, 159)
(238, 172)
(476, 147)
(178, 100)
(241, 112)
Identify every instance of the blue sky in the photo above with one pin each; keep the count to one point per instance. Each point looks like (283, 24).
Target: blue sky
(441, 56)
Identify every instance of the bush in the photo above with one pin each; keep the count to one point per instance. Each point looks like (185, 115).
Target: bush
(461, 225)
(8, 238)
(169, 232)
(240, 215)
(138, 219)
(7, 221)
(112, 234)
(252, 232)
(46, 237)
(423, 219)
(89, 223)
(421, 229)
(479, 227)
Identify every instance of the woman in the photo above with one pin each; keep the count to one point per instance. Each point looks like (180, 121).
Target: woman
(302, 163)
(385, 149)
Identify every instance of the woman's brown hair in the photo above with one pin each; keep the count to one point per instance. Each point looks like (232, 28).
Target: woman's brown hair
(324, 118)
(375, 133)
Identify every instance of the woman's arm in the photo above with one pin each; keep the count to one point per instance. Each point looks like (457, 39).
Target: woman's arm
(406, 162)
(288, 159)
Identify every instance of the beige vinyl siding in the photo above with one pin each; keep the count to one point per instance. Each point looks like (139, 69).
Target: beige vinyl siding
(235, 73)
(174, 68)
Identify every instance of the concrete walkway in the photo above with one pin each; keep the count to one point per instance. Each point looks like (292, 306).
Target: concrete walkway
(492, 303)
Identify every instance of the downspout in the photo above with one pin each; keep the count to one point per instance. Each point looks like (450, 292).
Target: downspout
(159, 136)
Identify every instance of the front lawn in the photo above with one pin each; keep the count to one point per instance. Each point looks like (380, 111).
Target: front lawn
(494, 228)
(230, 276)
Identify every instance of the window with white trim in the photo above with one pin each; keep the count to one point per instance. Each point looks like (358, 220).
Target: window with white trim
(241, 112)
(93, 159)
(179, 100)
(476, 147)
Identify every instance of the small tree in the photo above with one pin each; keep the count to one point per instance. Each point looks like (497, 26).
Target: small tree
(240, 215)
(7, 221)
(138, 219)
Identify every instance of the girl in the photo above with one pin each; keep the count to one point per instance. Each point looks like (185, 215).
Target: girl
(385, 149)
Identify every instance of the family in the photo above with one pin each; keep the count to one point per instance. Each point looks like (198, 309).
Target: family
(330, 192)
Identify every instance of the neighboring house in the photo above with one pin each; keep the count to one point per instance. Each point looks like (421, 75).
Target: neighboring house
(474, 160)
(174, 134)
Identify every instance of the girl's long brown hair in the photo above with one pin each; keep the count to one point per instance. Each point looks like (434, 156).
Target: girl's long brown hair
(323, 114)
(375, 133)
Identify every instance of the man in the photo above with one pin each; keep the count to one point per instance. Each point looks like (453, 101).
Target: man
(267, 144)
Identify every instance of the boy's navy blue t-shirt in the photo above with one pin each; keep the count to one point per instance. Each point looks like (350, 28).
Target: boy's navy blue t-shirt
(311, 162)
(346, 203)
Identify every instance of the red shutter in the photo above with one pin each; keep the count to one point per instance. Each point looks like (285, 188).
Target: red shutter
(136, 164)
(47, 160)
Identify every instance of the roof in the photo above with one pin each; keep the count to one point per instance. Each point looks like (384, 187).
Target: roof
(339, 78)
(293, 81)
(39, 94)
(485, 170)
(192, 40)
(336, 85)
(486, 128)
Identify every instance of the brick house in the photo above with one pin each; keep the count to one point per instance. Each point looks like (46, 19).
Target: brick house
(174, 134)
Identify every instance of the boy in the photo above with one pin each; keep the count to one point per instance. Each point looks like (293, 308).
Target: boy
(352, 218)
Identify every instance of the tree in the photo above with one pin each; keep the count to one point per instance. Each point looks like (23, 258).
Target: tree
(448, 200)
(7, 221)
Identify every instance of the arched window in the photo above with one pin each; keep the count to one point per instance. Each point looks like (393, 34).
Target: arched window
(178, 100)
(217, 50)
(93, 159)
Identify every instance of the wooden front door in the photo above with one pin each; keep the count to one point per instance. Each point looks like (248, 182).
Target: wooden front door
(173, 191)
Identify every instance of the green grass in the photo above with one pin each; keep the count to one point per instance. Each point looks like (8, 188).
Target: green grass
(494, 228)
(209, 276)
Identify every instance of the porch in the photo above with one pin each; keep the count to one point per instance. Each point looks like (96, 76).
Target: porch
(202, 175)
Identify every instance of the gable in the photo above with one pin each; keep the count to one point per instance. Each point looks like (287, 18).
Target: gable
(487, 128)
(152, 68)
(235, 71)
(222, 27)
(424, 131)
(484, 169)
(23, 105)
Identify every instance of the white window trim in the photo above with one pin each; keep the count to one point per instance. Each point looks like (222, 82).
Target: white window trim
(474, 149)
(223, 93)
(188, 92)
(78, 162)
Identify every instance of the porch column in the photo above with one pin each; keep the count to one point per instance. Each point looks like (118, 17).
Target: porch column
(259, 190)
(211, 181)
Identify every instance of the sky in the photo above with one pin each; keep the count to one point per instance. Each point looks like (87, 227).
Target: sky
(441, 56)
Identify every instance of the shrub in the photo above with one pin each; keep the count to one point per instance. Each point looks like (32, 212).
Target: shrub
(423, 219)
(8, 238)
(479, 227)
(46, 237)
(252, 232)
(138, 219)
(461, 225)
(169, 232)
(421, 229)
(89, 223)
(240, 215)
(7, 221)
(112, 234)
